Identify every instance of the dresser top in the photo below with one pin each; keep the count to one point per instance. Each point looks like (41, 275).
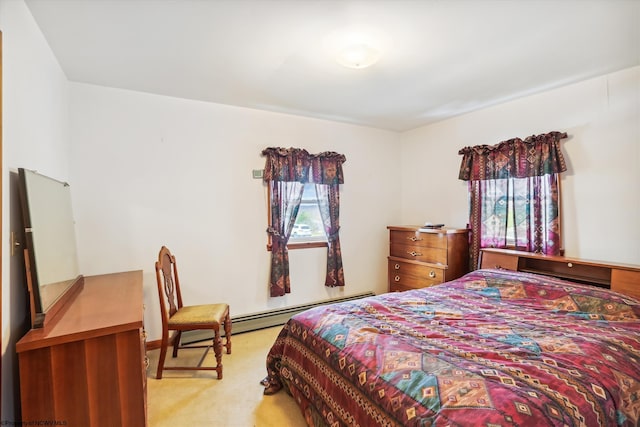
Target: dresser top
(418, 228)
(106, 304)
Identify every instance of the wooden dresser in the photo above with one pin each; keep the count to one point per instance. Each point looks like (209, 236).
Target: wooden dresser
(87, 366)
(621, 278)
(418, 259)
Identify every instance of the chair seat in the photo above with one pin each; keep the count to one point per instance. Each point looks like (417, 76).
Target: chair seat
(205, 314)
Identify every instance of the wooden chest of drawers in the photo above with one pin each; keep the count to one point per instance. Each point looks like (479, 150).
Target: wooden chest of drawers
(87, 367)
(418, 259)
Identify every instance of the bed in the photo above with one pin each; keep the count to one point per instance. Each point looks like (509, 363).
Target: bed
(492, 348)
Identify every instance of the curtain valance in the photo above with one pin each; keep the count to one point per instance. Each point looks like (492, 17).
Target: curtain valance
(326, 168)
(297, 165)
(286, 164)
(536, 155)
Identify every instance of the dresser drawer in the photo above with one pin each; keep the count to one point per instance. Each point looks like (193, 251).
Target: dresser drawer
(413, 276)
(415, 238)
(419, 253)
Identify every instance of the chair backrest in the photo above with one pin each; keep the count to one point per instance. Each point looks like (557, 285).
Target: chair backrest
(168, 284)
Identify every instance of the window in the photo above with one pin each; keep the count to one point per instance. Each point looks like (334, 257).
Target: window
(308, 226)
(308, 230)
(508, 212)
(514, 194)
(287, 171)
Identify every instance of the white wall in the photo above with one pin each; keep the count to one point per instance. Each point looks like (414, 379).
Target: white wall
(600, 190)
(150, 170)
(35, 136)
(147, 170)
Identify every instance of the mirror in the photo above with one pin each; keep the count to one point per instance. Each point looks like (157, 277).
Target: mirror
(51, 259)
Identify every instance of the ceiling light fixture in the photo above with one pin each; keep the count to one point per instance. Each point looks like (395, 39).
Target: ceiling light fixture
(356, 47)
(358, 56)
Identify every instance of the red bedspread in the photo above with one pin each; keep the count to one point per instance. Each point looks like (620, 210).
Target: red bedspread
(494, 348)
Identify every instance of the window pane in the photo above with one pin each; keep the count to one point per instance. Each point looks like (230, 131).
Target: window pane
(308, 226)
(511, 233)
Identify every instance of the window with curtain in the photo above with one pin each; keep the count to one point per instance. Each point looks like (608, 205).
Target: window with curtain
(514, 194)
(288, 172)
(308, 230)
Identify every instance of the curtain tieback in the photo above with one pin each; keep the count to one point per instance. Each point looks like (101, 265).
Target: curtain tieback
(275, 235)
(333, 236)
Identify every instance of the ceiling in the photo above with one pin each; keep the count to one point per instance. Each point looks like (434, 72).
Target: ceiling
(439, 58)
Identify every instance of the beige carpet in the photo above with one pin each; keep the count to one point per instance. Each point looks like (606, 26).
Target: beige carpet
(197, 398)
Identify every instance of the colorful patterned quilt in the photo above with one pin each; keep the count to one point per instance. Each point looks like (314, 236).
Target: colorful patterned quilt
(493, 348)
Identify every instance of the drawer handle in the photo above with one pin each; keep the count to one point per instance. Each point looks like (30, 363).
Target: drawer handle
(432, 274)
(397, 278)
(414, 239)
(146, 362)
(414, 253)
(397, 266)
(569, 265)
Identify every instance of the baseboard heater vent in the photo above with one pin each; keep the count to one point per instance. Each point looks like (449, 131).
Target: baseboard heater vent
(266, 319)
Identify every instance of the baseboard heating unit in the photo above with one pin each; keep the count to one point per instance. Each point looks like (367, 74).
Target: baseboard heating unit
(266, 319)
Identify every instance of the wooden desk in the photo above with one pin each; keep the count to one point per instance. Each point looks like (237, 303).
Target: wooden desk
(87, 366)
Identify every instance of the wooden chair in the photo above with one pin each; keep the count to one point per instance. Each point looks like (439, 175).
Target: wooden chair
(177, 318)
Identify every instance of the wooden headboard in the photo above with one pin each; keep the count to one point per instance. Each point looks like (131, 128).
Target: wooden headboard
(623, 278)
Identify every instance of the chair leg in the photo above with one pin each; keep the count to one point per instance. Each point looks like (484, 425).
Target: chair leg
(217, 348)
(163, 354)
(176, 343)
(227, 333)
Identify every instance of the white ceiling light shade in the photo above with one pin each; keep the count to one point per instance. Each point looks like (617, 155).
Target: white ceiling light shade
(356, 48)
(358, 56)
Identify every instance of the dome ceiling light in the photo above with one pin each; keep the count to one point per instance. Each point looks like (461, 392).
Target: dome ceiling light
(358, 56)
(356, 47)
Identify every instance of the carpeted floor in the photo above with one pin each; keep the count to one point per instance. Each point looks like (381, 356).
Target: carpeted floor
(197, 398)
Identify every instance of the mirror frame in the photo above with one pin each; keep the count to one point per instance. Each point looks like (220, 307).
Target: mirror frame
(69, 287)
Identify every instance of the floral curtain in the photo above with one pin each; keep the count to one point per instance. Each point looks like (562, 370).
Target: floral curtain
(286, 171)
(514, 185)
(327, 174)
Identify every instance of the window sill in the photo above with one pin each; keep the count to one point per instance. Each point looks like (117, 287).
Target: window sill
(303, 245)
